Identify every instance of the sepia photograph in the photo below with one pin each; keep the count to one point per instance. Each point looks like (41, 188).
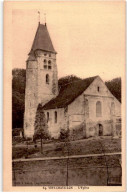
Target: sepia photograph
(64, 73)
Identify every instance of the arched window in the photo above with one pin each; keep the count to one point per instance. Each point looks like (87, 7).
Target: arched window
(47, 79)
(55, 117)
(98, 109)
(45, 61)
(45, 64)
(112, 108)
(47, 117)
(49, 64)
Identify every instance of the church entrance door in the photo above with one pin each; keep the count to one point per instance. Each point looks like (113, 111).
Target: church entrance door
(100, 129)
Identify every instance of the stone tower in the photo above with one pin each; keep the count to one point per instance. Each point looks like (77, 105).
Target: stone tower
(41, 77)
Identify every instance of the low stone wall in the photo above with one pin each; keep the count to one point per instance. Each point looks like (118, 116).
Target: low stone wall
(81, 171)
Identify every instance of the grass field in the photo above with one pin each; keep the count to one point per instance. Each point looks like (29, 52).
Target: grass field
(85, 146)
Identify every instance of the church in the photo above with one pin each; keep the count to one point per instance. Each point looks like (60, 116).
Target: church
(86, 107)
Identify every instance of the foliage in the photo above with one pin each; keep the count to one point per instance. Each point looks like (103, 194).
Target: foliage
(16, 132)
(64, 134)
(18, 97)
(67, 79)
(23, 152)
(115, 87)
(78, 132)
(41, 127)
(17, 140)
(19, 79)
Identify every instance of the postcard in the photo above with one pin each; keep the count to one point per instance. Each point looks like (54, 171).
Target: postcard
(64, 96)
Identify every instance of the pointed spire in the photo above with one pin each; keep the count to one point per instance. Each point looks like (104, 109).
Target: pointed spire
(42, 40)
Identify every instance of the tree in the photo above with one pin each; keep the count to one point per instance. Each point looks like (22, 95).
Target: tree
(41, 127)
(68, 79)
(18, 97)
(115, 87)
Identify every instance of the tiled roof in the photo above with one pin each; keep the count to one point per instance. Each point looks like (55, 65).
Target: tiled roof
(68, 93)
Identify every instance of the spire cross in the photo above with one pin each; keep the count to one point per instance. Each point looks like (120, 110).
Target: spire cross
(38, 16)
(45, 18)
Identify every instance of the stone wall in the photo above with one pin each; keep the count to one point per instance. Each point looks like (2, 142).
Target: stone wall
(55, 127)
(31, 98)
(92, 128)
(83, 109)
(78, 132)
(90, 171)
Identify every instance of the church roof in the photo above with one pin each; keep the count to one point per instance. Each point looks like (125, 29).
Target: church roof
(68, 93)
(41, 41)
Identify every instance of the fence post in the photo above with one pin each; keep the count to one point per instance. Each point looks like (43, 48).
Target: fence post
(105, 162)
(67, 161)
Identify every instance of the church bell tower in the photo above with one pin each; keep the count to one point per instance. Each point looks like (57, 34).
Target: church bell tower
(41, 77)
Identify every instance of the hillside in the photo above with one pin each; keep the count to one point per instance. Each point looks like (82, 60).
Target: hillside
(18, 93)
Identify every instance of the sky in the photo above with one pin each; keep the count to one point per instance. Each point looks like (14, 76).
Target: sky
(89, 36)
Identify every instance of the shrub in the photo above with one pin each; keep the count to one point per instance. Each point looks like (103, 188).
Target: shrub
(64, 134)
(16, 132)
(28, 139)
(58, 148)
(23, 152)
(78, 132)
(16, 140)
